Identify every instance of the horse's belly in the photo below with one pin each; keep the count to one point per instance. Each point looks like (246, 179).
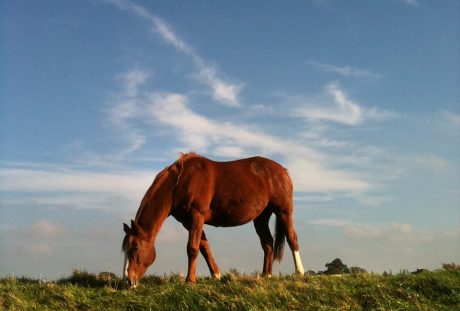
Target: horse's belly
(228, 222)
(234, 214)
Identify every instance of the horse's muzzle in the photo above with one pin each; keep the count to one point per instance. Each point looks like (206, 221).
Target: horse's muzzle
(131, 283)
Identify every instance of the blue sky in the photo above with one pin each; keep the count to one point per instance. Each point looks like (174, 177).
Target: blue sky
(358, 99)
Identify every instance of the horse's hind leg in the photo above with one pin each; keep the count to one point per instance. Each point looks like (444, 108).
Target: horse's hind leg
(291, 236)
(206, 252)
(266, 240)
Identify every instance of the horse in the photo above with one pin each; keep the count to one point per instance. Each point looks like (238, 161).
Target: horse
(198, 191)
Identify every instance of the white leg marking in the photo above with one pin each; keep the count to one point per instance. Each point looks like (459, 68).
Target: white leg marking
(125, 267)
(298, 263)
(216, 276)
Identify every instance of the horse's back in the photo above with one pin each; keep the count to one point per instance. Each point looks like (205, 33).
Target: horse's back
(234, 192)
(255, 172)
(266, 173)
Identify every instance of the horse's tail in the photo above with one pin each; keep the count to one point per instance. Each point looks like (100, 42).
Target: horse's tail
(280, 239)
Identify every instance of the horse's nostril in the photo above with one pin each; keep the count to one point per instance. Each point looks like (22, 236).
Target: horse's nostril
(128, 282)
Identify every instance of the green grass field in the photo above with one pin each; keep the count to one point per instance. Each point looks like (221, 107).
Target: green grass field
(439, 290)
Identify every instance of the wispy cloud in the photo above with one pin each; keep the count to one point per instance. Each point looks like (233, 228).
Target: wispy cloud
(42, 230)
(378, 230)
(311, 169)
(394, 230)
(311, 176)
(330, 222)
(64, 180)
(395, 245)
(127, 107)
(61, 188)
(451, 117)
(224, 92)
(36, 238)
(198, 132)
(133, 80)
(346, 71)
(431, 161)
(337, 107)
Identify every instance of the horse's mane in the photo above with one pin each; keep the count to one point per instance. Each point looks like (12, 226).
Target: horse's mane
(185, 156)
(177, 168)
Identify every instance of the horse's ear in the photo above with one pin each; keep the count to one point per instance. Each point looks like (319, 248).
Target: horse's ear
(136, 230)
(126, 228)
(134, 227)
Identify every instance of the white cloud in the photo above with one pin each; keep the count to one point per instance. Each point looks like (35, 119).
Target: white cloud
(431, 161)
(311, 170)
(388, 231)
(391, 245)
(42, 230)
(379, 230)
(195, 130)
(451, 117)
(136, 141)
(37, 238)
(330, 222)
(63, 189)
(379, 115)
(229, 151)
(61, 180)
(127, 107)
(123, 111)
(224, 92)
(346, 71)
(341, 109)
(200, 133)
(310, 176)
(132, 80)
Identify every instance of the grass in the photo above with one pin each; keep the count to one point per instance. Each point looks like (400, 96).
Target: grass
(439, 290)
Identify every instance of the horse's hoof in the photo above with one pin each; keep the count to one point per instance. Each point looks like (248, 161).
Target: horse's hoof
(190, 280)
(216, 276)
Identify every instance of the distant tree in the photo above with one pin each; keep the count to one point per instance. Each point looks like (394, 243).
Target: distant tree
(336, 267)
(106, 276)
(451, 266)
(358, 270)
(420, 271)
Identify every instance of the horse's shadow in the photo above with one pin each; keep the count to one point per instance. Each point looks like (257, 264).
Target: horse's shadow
(90, 280)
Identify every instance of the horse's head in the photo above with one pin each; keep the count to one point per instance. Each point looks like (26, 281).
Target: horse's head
(139, 254)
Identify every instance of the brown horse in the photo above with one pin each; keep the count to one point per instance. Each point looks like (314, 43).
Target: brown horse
(198, 191)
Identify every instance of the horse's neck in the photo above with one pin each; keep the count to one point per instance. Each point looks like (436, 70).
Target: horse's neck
(152, 221)
(156, 206)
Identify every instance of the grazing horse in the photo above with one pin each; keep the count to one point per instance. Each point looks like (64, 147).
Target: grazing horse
(198, 191)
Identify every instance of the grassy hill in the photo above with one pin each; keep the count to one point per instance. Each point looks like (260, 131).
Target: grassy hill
(439, 290)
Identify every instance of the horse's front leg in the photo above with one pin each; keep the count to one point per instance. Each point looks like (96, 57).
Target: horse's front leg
(205, 250)
(193, 245)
